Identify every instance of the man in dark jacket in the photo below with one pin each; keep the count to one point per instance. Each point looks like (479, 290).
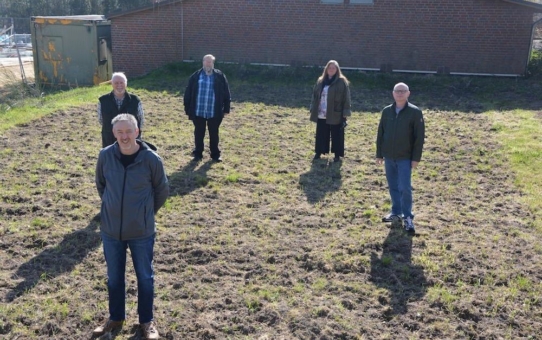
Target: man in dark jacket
(116, 102)
(132, 185)
(399, 145)
(206, 101)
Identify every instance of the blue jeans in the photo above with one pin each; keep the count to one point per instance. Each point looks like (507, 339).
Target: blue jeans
(115, 257)
(398, 173)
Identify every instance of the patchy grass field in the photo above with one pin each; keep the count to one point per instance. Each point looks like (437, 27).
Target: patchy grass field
(267, 244)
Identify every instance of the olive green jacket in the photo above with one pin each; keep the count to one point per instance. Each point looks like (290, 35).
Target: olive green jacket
(338, 101)
(401, 136)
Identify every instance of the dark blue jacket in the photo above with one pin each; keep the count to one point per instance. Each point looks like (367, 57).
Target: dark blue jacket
(221, 89)
(130, 196)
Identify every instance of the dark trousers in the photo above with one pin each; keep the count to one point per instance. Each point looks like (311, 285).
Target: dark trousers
(213, 125)
(323, 133)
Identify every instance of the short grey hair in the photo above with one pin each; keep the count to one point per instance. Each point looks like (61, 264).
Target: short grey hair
(124, 117)
(401, 84)
(209, 56)
(120, 75)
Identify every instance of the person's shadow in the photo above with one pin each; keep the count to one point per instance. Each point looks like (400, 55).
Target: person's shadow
(395, 272)
(323, 177)
(188, 178)
(55, 261)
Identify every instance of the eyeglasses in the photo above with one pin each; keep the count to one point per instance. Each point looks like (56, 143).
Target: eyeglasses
(400, 91)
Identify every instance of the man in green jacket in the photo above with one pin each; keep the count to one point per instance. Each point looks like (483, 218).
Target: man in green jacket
(399, 145)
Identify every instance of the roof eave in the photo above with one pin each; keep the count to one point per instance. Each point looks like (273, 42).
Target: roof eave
(526, 3)
(140, 9)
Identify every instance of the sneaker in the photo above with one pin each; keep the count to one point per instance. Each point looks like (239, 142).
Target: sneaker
(108, 327)
(316, 156)
(149, 330)
(409, 225)
(390, 218)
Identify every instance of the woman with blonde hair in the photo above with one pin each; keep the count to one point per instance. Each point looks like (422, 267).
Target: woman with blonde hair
(330, 106)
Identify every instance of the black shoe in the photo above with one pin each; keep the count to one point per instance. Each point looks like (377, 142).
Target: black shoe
(337, 159)
(409, 225)
(197, 158)
(217, 159)
(316, 156)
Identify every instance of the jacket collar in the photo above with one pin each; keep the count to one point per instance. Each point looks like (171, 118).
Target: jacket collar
(333, 82)
(116, 149)
(394, 105)
(126, 95)
(215, 71)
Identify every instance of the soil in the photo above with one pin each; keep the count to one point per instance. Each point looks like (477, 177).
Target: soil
(267, 244)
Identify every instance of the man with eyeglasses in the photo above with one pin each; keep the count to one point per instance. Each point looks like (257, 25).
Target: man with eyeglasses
(399, 145)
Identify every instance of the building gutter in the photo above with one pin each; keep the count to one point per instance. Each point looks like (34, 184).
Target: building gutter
(485, 74)
(378, 70)
(435, 72)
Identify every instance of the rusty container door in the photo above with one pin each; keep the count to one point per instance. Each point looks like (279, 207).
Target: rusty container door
(71, 51)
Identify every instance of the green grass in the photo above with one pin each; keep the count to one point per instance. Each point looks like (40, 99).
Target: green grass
(36, 107)
(520, 133)
(269, 244)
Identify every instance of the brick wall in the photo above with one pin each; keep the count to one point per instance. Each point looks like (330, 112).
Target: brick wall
(474, 36)
(146, 40)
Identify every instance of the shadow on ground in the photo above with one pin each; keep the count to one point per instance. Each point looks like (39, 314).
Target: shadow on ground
(55, 261)
(189, 178)
(394, 271)
(370, 91)
(323, 178)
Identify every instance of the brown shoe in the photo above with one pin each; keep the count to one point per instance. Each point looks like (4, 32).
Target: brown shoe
(149, 330)
(107, 327)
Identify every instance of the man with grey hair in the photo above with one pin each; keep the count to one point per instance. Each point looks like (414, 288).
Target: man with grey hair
(133, 186)
(116, 102)
(399, 145)
(206, 100)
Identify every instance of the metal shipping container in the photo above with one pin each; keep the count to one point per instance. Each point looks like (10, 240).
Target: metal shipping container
(71, 50)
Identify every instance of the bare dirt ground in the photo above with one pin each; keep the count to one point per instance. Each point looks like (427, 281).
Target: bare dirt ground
(268, 245)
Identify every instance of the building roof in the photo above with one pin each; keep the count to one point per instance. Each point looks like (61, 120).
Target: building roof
(73, 17)
(534, 4)
(156, 4)
(529, 3)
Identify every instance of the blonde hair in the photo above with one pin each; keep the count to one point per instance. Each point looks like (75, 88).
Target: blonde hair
(339, 73)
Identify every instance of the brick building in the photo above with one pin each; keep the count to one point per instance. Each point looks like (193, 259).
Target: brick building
(448, 36)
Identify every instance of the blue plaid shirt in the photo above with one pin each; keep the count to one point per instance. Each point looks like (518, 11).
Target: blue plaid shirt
(206, 96)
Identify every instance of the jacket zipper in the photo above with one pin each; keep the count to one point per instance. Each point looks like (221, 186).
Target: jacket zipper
(394, 132)
(122, 205)
(122, 199)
